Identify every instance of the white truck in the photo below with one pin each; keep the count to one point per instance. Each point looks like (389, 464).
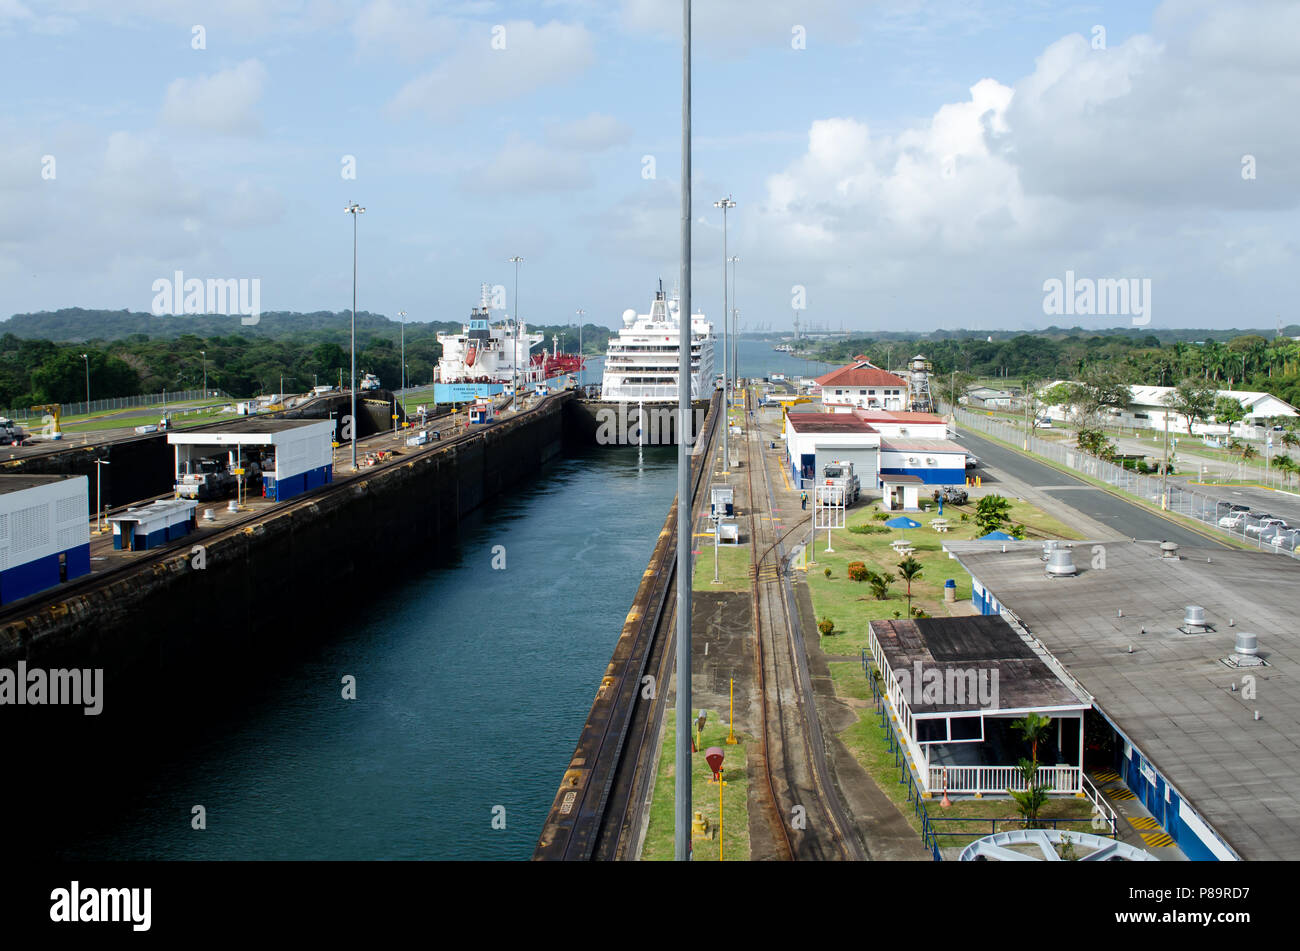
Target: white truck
(842, 474)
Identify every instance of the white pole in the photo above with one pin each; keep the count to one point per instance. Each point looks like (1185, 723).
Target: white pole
(682, 784)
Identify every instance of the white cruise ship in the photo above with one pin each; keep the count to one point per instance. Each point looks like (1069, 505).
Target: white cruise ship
(641, 365)
(481, 353)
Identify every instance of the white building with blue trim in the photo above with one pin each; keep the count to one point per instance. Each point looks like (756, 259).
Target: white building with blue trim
(44, 532)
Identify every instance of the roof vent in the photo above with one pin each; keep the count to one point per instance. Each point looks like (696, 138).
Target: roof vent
(1194, 621)
(1060, 564)
(1245, 652)
(1049, 546)
(1168, 550)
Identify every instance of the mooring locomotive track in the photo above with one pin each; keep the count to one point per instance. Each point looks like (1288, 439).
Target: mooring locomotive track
(808, 821)
(598, 811)
(55, 598)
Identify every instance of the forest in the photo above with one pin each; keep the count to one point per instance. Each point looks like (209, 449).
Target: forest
(44, 358)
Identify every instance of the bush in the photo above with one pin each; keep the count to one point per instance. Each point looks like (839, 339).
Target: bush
(828, 572)
(868, 530)
(858, 571)
(826, 625)
(881, 516)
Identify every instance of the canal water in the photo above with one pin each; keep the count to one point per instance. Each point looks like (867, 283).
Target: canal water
(472, 686)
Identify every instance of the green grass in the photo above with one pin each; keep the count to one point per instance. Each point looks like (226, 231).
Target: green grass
(733, 567)
(852, 606)
(847, 677)
(704, 797)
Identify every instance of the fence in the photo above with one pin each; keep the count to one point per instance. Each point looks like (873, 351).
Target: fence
(1182, 499)
(116, 403)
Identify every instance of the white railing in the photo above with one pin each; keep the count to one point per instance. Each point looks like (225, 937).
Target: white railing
(1101, 809)
(996, 780)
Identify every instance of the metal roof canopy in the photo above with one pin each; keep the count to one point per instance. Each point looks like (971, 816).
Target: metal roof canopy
(251, 433)
(1172, 698)
(983, 642)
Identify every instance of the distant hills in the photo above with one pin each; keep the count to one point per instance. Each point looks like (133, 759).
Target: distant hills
(80, 325)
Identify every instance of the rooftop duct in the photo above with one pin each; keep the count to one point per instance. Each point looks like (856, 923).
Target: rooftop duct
(1168, 550)
(1060, 564)
(1194, 621)
(1049, 546)
(1245, 652)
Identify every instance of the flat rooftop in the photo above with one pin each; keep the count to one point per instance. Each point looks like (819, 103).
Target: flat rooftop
(922, 445)
(1172, 695)
(17, 483)
(828, 423)
(242, 430)
(982, 642)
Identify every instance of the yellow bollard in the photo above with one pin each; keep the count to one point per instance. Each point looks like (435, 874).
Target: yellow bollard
(700, 827)
(731, 726)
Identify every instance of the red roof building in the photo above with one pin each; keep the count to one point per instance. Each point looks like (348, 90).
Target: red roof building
(863, 385)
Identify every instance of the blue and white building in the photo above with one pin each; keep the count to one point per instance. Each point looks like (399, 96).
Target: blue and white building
(44, 532)
(301, 452)
(149, 526)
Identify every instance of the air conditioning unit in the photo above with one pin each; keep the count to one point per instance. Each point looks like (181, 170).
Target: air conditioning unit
(911, 460)
(929, 460)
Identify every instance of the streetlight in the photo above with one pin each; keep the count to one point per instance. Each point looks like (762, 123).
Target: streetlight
(354, 209)
(86, 357)
(581, 313)
(205, 373)
(735, 322)
(682, 780)
(402, 314)
(724, 204)
(98, 500)
(514, 397)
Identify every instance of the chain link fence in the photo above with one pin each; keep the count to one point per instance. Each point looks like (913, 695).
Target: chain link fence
(1212, 509)
(116, 403)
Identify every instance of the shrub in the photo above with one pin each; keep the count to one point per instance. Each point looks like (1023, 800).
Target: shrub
(868, 530)
(881, 516)
(858, 571)
(826, 625)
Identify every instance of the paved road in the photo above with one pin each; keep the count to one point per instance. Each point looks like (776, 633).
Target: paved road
(1126, 518)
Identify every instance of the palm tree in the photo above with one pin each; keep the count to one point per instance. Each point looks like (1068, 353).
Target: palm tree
(908, 569)
(1032, 727)
(1033, 798)
(879, 584)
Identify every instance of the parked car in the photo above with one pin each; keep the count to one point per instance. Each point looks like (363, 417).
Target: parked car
(1265, 524)
(1286, 540)
(1043, 422)
(972, 462)
(1271, 528)
(1233, 520)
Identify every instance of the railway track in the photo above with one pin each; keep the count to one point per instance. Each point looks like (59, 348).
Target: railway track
(597, 811)
(98, 580)
(809, 822)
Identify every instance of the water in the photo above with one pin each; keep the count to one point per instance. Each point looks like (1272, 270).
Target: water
(757, 359)
(472, 687)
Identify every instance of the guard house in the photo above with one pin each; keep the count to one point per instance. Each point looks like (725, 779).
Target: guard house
(148, 526)
(44, 532)
(481, 413)
(901, 492)
(954, 686)
(295, 455)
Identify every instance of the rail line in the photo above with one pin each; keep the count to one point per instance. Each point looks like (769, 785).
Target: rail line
(98, 580)
(597, 811)
(801, 801)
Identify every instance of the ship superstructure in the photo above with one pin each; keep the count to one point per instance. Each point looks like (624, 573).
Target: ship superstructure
(642, 363)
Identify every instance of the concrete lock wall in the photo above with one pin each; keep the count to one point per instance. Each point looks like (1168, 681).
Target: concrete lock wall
(261, 585)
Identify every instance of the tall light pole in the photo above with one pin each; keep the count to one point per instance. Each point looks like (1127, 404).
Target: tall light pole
(581, 313)
(724, 204)
(735, 322)
(86, 357)
(204, 354)
(402, 314)
(98, 498)
(514, 397)
(354, 209)
(685, 523)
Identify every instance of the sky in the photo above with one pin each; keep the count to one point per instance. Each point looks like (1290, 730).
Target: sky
(896, 165)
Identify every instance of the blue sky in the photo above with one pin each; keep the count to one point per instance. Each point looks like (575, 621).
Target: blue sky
(916, 165)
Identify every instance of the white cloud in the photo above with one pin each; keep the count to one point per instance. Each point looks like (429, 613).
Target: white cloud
(222, 102)
(526, 167)
(593, 133)
(479, 75)
(404, 29)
